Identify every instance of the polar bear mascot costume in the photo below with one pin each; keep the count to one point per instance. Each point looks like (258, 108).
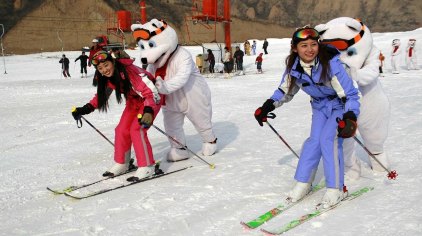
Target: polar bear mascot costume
(186, 92)
(354, 41)
(411, 59)
(395, 54)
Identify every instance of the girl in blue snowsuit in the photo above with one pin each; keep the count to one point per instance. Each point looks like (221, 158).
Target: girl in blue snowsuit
(317, 70)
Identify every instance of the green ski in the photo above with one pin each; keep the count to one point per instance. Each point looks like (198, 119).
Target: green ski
(304, 218)
(255, 223)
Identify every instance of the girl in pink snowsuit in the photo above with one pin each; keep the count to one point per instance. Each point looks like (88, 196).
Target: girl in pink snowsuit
(137, 86)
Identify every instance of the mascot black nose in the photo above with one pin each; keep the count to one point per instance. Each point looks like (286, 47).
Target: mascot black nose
(144, 60)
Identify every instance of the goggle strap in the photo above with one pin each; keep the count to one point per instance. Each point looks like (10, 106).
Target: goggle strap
(349, 42)
(153, 33)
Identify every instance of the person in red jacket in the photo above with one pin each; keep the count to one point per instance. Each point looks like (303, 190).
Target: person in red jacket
(94, 49)
(258, 63)
(137, 87)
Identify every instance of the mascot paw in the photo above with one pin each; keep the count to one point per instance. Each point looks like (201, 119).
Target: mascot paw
(160, 85)
(209, 149)
(177, 154)
(354, 73)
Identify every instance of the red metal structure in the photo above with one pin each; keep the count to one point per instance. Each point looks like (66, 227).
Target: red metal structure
(206, 11)
(118, 23)
(143, 11)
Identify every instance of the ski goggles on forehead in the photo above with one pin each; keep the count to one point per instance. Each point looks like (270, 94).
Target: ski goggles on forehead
(343, 44)
(145, 34)
(100, 57)
(306, 33)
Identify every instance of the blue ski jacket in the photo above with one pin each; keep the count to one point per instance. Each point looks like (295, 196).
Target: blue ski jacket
(336, 93)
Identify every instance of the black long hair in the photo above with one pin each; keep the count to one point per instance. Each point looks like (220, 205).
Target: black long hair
(325, 54)
(120, 80)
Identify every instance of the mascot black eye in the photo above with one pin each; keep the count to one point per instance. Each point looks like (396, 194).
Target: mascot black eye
(141, 45)
(351, 51)
(151, 44)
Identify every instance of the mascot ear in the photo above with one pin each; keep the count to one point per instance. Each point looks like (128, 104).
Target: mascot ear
(321, 28)
(133, 27)
(156, 23)
(354, 24)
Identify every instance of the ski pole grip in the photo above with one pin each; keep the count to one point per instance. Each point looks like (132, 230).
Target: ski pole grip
(271, 115)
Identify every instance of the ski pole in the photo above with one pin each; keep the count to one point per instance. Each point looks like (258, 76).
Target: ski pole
(390, 174)
(272, 116)
(89, 123)
(212, 166)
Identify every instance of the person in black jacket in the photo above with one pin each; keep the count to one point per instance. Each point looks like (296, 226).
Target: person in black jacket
(65, 66)
(84, 61)
(211, 61)
(238, 56)
(265, 46)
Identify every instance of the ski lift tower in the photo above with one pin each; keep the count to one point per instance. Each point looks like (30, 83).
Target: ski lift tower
(205, 12)
(143, 11)
(2, 49)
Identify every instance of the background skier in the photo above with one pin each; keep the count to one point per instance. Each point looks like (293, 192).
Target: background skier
(65, 66)
(84, 60)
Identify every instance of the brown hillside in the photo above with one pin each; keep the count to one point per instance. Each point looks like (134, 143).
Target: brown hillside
(50, 25)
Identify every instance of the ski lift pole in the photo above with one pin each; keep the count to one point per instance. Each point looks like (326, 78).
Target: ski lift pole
(61, 41)
(272, 116)
(391, 174)
(2, 49)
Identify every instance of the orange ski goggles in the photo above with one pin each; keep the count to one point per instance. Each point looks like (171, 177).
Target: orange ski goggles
(343, 44)
(145, 34)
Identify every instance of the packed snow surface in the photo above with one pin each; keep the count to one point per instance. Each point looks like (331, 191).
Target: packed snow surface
(41, 147)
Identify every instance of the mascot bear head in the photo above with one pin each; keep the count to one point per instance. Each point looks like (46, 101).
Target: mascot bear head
(156, 41)
(350, 36)
(411, 43)
(396, 43)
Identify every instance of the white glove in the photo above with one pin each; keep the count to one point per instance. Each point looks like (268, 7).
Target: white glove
(161, 85)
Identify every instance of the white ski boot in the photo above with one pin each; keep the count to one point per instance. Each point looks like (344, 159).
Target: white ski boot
(332, 197)
(382, 157)
(209, 149)
(299, 191)
(142, 173)
(116, 169)
(177, 154)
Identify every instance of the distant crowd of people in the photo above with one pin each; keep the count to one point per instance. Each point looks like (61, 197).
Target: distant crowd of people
(86, 61)
(233, 62)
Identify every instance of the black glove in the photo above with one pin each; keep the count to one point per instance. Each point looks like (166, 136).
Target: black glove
(79, 111)
(262, 112)
(147, 118)
(347, 126)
